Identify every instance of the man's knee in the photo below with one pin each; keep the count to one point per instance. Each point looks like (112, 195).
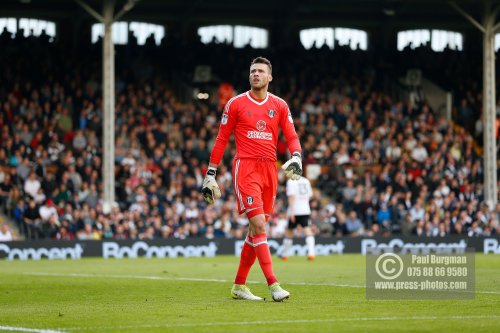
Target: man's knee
(258, 224)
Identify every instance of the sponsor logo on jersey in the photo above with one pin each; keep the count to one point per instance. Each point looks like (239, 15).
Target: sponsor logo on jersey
(271, 113)
(290, 119)
(224, 119)
(260, 135)
(249, 114)
(261, 125)
(250, 200)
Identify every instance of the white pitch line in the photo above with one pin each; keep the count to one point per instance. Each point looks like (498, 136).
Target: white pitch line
(146, 277)
(25, 329)
(299, 321)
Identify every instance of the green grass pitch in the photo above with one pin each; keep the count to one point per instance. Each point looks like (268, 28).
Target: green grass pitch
(192, 295)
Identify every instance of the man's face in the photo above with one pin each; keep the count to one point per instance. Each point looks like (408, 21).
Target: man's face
(259, 76)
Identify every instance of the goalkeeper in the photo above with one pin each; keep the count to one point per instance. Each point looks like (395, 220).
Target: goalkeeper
(255, 116)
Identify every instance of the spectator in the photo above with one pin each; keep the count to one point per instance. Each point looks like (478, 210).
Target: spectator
(88, 233)
(5, 191)
(419, 152)
(5, 233)
(32, 185)
(79, 141)
(48, 210)
(417, 212)
(32, 220)
(384, 215)
(354, 225)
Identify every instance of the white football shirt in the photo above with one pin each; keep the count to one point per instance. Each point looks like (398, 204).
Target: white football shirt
(302, 191)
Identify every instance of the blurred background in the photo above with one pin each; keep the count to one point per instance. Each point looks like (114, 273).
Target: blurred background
(387, 98)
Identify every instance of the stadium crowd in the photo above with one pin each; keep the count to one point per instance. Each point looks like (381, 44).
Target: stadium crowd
(387, 166)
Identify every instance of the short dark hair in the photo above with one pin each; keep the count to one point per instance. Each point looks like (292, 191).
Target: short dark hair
(262, 60)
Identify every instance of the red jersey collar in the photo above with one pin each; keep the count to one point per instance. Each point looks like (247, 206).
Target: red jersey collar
(256, 101)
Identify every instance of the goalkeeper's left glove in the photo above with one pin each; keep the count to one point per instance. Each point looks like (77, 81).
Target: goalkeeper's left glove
(293, 167)
(210, 189)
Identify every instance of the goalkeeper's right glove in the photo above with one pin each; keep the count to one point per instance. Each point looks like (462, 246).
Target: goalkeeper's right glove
(210, 189)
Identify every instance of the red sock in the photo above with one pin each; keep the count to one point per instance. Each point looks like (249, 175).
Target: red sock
(247, 259)
(266, 264)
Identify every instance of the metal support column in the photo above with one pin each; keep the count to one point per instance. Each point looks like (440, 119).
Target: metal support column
(488, 28)
(108, 84)
(489, 110)
(108, 94)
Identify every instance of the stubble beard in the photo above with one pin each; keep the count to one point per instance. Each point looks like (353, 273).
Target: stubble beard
(259, 86)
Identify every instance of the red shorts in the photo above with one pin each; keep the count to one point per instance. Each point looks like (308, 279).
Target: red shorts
(255, 183)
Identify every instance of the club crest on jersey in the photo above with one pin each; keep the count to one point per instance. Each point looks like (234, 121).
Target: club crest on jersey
(261, 125)
(250, 200)
(224, 119)
(271, 113)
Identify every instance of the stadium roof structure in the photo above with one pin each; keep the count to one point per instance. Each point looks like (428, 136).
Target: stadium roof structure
(397, 14)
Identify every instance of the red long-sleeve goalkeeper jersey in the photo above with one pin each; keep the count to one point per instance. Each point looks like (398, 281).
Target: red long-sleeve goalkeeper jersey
(255, 124)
